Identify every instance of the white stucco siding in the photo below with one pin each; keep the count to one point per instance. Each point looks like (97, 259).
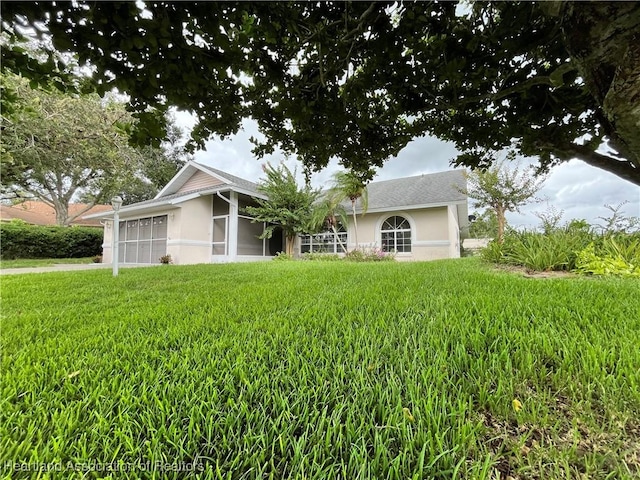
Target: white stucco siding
(190, 232)
(454, 232)
(430, 232)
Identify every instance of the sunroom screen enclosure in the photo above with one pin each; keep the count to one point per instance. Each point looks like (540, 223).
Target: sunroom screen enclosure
(229, 208)
(143, 240)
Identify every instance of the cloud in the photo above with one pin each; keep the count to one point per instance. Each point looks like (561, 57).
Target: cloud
(579, 190)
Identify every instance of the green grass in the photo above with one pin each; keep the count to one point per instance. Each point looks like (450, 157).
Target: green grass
(304, 369)
(42, 262)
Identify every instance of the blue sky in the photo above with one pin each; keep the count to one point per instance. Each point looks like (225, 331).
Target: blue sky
(579, 190)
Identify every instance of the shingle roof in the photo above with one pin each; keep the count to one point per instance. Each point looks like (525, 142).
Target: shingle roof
(428, 189)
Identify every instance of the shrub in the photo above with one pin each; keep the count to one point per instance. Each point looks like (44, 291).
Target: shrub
(493, 252)
(611, 255)
(166, 259)
(556, 250)
(369, 255)
(22, 240)
(282, 256)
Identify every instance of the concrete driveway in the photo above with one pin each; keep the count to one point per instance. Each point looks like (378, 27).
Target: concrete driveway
(68, 268)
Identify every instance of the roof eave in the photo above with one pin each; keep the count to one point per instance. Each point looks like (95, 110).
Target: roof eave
(174, 201)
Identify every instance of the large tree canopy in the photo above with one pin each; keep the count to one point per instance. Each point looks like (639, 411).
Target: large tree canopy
(57, 148)
(358, 80)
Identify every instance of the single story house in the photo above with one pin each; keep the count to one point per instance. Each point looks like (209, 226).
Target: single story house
(199, 217)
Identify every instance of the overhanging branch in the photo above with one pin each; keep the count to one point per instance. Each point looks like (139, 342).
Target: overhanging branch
(621, 168)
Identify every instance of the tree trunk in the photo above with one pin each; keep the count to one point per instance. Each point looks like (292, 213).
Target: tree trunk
(335, 232)
(603, 40)
(355, 222)
(62, 214)
(501, 224)
(289, 243)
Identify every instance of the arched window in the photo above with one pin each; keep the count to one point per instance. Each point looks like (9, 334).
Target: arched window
(396, 235)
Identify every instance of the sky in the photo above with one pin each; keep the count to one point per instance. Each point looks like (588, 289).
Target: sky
(575, 188)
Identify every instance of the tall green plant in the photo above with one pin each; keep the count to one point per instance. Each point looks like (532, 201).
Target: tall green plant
(502, 189)
(288, 206)
(329, 213)
(348, 185)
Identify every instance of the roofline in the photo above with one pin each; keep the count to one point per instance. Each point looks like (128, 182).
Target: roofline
(451, 171)
(176, 201)
(191, 163)
(412, 207)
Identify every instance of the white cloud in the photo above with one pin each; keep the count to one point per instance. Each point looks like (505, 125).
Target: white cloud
(578, 189)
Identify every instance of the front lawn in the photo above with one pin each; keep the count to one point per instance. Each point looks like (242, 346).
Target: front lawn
(321, 370)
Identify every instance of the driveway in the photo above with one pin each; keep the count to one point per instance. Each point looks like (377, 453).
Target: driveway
(68, 268)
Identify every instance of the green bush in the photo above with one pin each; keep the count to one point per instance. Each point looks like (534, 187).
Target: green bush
(575, 247)
(611, 255)
(22, 240)
(283, 256)
(555, 250)
(369, 255)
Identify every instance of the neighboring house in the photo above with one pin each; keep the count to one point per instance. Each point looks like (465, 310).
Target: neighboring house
(39, 213)
(198, 217)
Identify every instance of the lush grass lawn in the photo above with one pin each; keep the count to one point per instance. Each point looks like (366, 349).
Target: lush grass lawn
(42, 262)
(323, 370)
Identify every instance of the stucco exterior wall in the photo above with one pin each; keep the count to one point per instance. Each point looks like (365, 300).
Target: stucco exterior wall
(454, 232)
(189, 239)
(433, 232)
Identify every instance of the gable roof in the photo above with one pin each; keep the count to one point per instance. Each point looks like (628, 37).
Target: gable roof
(427, 190)
(39, 213)
(222, 178)
(419, 191)
(180, 189)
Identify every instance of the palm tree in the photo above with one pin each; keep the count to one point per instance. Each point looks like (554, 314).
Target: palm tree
(329, 213)
(347, 185)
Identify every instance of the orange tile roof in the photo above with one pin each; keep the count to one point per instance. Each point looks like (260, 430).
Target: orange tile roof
(39, 213)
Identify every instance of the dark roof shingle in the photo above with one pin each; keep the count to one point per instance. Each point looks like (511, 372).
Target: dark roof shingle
(427, 189)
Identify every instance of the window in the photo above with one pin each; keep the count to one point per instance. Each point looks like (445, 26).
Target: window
(143, 240)
(396, 235)
(325, 242)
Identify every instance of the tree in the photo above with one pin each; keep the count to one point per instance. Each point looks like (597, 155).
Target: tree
(485, 225)
(503, 189)
(347, 185)
(58, 147)
(158, 165)
(357, 80)
(329, 213)
(288, 206)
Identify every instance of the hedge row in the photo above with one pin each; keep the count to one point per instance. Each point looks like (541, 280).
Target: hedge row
(22, 240)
